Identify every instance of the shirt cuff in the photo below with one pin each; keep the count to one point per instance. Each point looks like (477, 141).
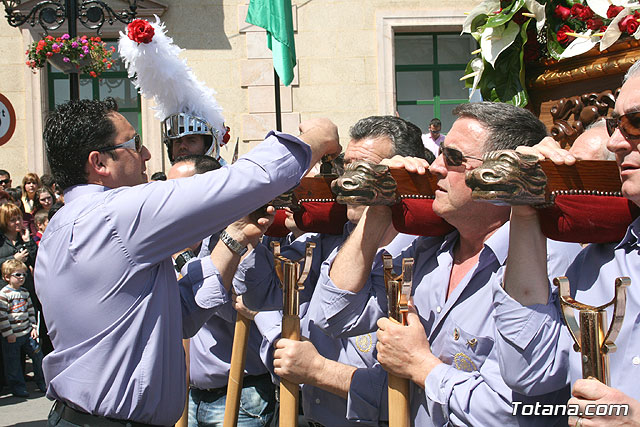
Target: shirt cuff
(209, 292)
(519, 324)
(439, 385)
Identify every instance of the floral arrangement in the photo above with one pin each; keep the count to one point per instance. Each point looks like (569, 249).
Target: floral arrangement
(89, 54)
(512, 33)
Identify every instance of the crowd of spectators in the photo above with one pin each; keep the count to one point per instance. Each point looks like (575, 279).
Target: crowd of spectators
(25, 211)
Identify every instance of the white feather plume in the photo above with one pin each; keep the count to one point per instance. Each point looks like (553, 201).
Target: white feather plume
(161, 74)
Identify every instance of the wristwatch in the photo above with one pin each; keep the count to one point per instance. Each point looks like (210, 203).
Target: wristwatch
(232, 243)
(183, 258)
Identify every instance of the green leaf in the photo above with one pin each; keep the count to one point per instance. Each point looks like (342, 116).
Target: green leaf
(555, 49)
(504, 16)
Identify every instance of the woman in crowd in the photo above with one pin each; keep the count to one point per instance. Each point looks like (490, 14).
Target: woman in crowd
(43, 199)
(30, 183)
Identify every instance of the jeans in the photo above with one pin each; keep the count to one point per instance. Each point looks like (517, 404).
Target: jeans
(257, 403)
(12, 365)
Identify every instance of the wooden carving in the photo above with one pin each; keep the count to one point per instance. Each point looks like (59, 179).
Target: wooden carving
(365, 183)
(571, 116)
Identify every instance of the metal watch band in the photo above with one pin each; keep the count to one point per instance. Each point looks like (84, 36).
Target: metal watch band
(232, 243)
(183, 258)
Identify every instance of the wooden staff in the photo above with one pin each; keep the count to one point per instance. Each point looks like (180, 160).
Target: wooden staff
(398, 293)
(292, 283)
(184, 418)
(236, 370)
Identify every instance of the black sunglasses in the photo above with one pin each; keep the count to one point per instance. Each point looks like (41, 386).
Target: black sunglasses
(629, 125)
(5, 181)
(454, 157)
(134, 143)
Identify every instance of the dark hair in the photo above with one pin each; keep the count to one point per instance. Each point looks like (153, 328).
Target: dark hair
(436, 122)
(508, 126)
(159, 176)
(36, 199)
(55, 208)
(405, 136)
(4, 172)
(47, 180)
(201, 163)
(15, 193)
(5, 195)
(72, 131)
(40, 216)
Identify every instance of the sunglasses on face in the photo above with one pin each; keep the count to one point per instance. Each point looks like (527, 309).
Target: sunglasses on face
(4, 181)
(134, 143)
(454, 157)
(19, 275)
(629, 125)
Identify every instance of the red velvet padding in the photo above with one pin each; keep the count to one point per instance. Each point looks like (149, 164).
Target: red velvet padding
(277, 229)
(587, 219)
(321, 217)
(415, 216)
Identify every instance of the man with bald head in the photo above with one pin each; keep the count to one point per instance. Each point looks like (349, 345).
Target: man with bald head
(592, 143)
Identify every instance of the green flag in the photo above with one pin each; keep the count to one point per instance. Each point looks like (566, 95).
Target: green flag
(275, 17)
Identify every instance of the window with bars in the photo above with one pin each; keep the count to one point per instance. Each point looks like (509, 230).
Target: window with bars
(114, 83)
(428, 68)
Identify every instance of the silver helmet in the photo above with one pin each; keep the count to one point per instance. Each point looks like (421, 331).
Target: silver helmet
(181, 124)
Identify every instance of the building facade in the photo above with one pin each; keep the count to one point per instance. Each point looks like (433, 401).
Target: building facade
(356, 58)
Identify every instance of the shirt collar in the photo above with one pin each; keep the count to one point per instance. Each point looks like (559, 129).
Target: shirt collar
(72, 193)
(631, 236)
(498, 243)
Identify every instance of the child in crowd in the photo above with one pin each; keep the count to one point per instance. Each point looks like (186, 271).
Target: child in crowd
(41, 219)
(18, 329)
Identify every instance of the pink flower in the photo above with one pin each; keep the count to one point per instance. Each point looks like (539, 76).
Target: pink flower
(65, 37)
(65, 59)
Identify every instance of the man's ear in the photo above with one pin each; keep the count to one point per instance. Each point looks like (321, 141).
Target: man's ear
(95, 165)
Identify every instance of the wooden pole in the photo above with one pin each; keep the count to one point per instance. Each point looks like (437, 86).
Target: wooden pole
(184, 419)
(289, 392)
(236, 370)
(398, 400)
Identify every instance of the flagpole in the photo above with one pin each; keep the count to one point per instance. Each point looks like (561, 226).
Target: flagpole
(276, 90)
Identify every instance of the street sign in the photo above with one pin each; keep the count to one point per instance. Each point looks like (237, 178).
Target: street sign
(7, 120)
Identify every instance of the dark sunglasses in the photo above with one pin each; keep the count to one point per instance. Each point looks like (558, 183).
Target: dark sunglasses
(454, 157)
(629, 125)
(19, 275)
(134, 143)
(5, 181)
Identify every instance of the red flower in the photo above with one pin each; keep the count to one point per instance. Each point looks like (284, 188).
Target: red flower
(140, 31)
(93, 74)
(562, 12)
(594, 24)
(226, 136)
(581, 12)
(50, 38)
(628, 25)
(603, 28)
(49, 54)
(562, 36)
(613, 11)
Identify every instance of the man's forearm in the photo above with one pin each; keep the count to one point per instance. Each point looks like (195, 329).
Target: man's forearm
(352, 265)
(335, 377)
(525, 277)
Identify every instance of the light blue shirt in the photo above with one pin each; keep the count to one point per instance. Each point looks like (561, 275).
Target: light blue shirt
(536, 350)
(210, 348)
(467, 389)
(367, 400)
(106, 281)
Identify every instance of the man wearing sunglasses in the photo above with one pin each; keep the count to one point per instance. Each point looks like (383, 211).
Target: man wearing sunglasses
(5, 179)
(104, 272)
(447, 350)
(541, 359)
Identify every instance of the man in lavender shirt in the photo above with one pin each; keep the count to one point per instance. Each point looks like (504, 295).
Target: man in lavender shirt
(447, 349)
(115, 313)
(535, 347)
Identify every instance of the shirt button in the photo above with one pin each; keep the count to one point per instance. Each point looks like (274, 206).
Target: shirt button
(636, 360)
(438, 309)
(317, 401)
